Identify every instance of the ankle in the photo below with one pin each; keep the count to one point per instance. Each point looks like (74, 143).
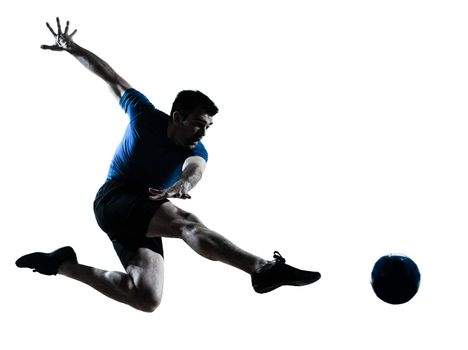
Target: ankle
(66, 267)
(261, 265)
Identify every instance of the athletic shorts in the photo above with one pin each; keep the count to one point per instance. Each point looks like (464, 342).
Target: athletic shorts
(124, 214)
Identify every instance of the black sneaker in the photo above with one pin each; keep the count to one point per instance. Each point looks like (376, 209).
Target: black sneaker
(280, 274)
(47, 263)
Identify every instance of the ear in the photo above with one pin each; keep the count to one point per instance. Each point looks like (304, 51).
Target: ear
(177, 117)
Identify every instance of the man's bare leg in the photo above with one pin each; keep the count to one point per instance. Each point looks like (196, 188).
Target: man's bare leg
(171, 221)
(141, 287)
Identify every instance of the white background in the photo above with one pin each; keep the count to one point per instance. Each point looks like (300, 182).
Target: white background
(341, 137)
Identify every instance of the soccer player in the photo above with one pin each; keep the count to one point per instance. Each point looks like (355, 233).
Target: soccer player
(160, 157)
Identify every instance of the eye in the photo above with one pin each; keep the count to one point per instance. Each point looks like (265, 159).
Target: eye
(201, 125)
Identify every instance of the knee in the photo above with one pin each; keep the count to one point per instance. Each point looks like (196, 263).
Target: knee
(202, 240)
(189, 220)
(193, 231)
(144, 296)
(190, 225)
(148, 302)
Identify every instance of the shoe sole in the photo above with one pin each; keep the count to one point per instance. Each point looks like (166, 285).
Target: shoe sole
(297, 283)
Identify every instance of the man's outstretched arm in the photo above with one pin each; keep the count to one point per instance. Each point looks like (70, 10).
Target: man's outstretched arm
(64, 42)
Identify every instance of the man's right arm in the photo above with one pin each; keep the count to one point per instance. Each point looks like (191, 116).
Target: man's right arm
(64, 42)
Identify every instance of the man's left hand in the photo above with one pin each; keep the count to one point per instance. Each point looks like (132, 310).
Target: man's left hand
(178, 190)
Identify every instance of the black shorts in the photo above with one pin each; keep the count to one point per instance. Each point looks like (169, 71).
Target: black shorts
(124, 213)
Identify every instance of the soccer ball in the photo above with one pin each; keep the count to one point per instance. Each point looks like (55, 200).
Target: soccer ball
(395, 278)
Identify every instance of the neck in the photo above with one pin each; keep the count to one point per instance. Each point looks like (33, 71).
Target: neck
(171, 133)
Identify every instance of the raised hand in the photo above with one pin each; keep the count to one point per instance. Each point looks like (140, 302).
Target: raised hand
(63, 40)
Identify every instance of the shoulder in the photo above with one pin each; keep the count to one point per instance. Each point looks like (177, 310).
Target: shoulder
(200, 151)
(133, 98)
(136, 105)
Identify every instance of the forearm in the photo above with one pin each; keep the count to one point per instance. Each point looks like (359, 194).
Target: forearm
(99, 67)
(191, 175)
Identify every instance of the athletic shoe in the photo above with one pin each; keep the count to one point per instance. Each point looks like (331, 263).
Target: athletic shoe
(47, 263)
(278, 274)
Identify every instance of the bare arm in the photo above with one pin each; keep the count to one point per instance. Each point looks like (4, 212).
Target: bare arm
(64, 42)
(192, 172)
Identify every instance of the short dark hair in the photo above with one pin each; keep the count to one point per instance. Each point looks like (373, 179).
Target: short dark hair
(190, 101)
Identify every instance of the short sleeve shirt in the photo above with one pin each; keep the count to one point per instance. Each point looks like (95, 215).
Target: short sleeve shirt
(146, 157)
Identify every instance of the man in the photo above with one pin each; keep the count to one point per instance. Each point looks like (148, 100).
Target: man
(160, 157)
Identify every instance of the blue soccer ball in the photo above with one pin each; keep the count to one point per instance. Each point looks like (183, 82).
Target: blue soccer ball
(395, 278)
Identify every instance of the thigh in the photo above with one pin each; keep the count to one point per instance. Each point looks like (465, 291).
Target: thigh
(170, 221)
(127, 247)
(147, 271)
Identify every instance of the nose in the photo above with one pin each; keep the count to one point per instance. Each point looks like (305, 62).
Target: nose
(202, 132)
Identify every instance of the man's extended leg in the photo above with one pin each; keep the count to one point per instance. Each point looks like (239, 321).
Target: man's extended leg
(170, 221)
(141, 287)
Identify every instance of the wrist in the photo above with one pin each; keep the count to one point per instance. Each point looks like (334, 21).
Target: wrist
(73, 48)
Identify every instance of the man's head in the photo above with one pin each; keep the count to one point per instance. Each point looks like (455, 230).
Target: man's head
(191, 115)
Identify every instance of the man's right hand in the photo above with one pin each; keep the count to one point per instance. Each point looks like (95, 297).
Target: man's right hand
(63, 40)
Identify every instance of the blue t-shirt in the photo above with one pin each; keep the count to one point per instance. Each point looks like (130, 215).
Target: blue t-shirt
(146, 157)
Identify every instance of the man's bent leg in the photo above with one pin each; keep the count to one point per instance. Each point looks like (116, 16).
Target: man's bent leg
(171, 221)
(141, 287)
